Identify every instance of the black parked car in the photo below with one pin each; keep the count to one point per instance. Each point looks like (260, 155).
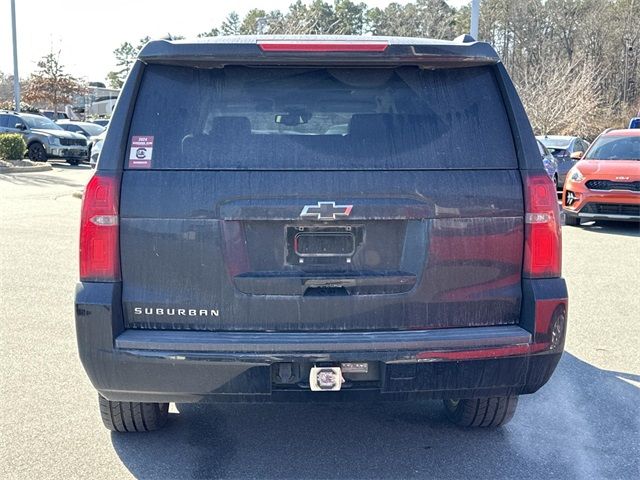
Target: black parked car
(318, 229)
(567, 151)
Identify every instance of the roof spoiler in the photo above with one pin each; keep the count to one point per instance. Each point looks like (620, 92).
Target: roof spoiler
(320, 50)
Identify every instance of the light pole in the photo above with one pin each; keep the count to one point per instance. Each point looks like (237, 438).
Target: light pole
(475, 18)
(16, 78)
(625, 76)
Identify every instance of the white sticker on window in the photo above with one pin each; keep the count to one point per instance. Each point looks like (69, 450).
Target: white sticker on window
(141, 152)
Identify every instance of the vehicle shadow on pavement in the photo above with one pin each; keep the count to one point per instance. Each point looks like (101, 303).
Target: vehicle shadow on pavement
(631, 229)
(584, 423)
(63, 165)
(38, 179)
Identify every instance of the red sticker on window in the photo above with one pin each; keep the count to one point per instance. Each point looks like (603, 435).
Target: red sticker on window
(141, 152)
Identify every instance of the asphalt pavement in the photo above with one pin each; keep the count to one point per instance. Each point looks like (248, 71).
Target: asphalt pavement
(584, 424)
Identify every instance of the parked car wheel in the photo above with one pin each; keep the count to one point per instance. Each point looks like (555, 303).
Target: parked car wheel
(73, 162)
(133, 416)
(481, 412)
(37, 153)
(572, 221)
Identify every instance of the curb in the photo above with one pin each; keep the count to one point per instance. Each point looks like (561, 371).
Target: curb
(35, 168)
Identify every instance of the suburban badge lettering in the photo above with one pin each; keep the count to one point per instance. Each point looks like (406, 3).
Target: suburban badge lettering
(180, 312)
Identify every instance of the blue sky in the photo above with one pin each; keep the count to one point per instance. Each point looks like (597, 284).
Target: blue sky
(87, 31)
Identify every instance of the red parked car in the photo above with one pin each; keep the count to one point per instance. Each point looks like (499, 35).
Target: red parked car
(605, 183)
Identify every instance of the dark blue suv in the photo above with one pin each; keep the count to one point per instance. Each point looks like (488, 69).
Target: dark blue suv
(319, 218)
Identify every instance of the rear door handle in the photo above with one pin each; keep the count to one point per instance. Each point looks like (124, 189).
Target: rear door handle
(276, 283)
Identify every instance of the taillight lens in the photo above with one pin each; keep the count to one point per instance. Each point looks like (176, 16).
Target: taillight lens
(99, 230)
(543, 242)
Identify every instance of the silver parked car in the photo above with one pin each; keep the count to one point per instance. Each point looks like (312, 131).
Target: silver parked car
(567, 151)
(44, 138)
(549, 162)
(96, 149)
(90, 131)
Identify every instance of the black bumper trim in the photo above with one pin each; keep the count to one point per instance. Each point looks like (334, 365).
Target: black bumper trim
(607, 216)
(264, 342)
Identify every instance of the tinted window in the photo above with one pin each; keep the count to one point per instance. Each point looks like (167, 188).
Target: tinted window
(561, 143)
(13, 120)
(615, 148)
(38, 121)
(303, 118)
(72, 127)
(558, 152)
(92, 129)
(9, 121)
(583, 145)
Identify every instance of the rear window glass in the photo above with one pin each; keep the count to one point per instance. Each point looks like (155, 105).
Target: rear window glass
(323, 118)
(551, 143)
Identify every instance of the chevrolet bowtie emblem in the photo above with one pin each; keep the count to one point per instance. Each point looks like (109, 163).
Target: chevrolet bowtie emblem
(326, 211)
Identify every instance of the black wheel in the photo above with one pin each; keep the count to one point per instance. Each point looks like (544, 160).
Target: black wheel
(481, 412)
(37, 153)
(571, 220)
(132, 416)
(73, 162)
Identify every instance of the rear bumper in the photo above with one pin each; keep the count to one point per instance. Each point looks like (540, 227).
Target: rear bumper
(171, 366)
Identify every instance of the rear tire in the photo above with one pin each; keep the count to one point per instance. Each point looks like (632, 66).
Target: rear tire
(132, 416)
(571, 221)
(481, 412)
(73, 162)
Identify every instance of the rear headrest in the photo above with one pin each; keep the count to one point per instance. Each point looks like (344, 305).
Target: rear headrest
(370, 125)
(230, 126)
(195, 144)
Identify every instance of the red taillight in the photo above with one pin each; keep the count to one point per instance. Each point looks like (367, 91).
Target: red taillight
(543, 243)
(99, 231)
(320, 46)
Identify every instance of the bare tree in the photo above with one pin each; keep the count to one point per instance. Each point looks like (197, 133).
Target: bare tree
(564, 99)
(51, 85)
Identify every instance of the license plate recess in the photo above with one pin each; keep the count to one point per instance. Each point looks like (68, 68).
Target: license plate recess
(322, 244)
